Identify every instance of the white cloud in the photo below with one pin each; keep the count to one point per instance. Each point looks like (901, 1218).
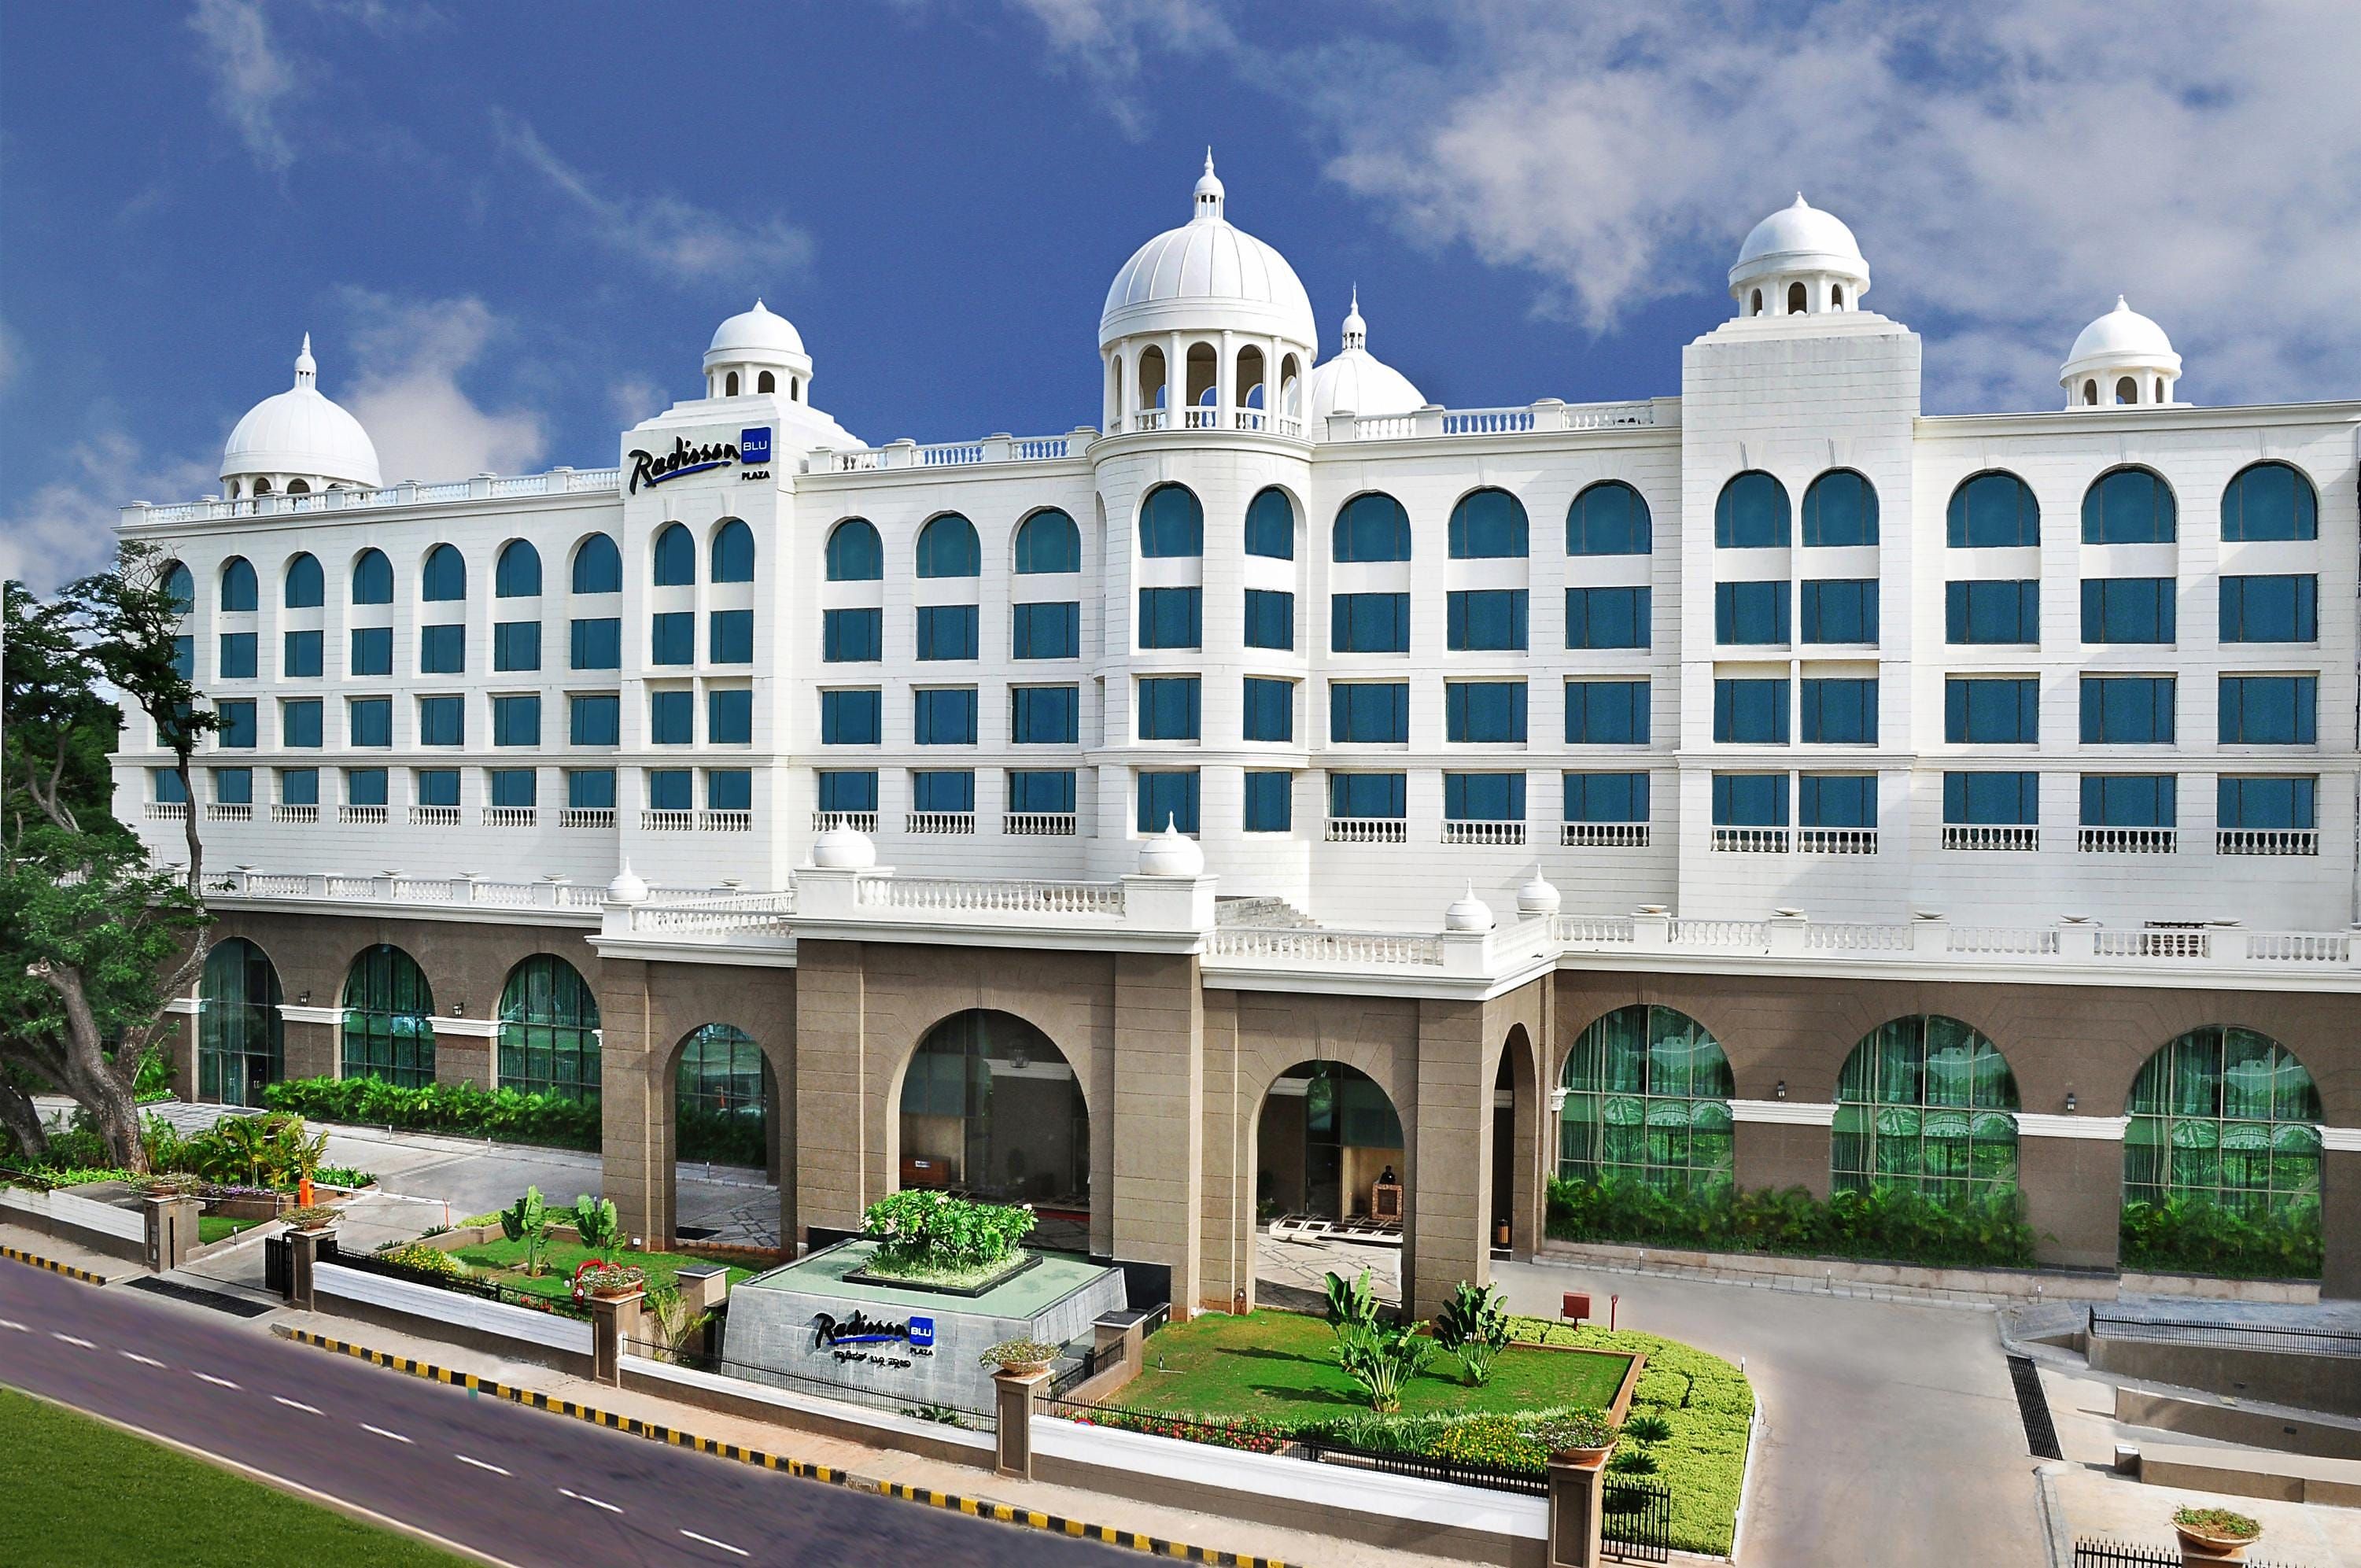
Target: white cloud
(67, 527)
(252, 79)
(1105, 42)
(406, 390)
(677, 239)
(635, 398)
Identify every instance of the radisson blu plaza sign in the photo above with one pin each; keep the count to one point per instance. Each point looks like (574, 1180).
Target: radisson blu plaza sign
(751, 449)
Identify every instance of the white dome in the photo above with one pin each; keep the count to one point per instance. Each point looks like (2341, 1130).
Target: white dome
(1537, 895)
(1359, 380)
(1207, 275)
(760, 333)
(1800, 238)
(297, 434)
(628, 887)
(843, 849)
(1171, 853)
(1467, 913)
(2121, 339)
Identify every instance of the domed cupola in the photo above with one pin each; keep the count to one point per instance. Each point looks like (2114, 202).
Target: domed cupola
(1799, 261)
(758, 351)
(297, 442)
(2122, 358)
(1357, 381)
(1200, 309)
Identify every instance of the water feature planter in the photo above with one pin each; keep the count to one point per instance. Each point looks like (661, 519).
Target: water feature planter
(891, 1281)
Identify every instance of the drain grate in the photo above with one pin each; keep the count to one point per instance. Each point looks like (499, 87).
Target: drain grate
(197, 1295)
(2033, 1405)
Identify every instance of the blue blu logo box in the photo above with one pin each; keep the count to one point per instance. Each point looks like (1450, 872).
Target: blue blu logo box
(754, 445)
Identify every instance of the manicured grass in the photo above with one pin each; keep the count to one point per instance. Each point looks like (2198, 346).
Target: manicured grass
(213, 1227)
(80, 1492)
(559, 1259)
(1282, 1367)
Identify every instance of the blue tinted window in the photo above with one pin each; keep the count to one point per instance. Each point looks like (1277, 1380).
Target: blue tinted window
(2270, 609)
(443, 650)
(1270, 618)
(1841, 610)
(1045, 716)
(517, 574)
(442, 721)
(180, 586)
(2267, 803)
(2269, 710)
(1270, 802)
(1491, 711)
(299, 787)
(848, 791)
(1600, 713)
(1046, 631)
(1049, 542)
(1607, 519)
(234, 786)
(1607, 797)
(2127, 709)
(184, 656)
(2127, 609)
(1608, 618)
(590, 789)
(302, 657)
(849, 718)
(733, 554)
(1840, 508)
(595, 720)
(729, 717)
(437, 786)
(1484, 618)
(1992, 799)
(1168, 799)
(2130, 506)
(516, 645)
(1836, 800)
(369, 720)
(444, 577)
(2004, 710)
(851, 636)
(598, 565)
(238, 657)
(1487, 525)
(672, 636)
(513, 787)
(947, 790)
(675, 557)
(1750, 800)
(1048, 791)
(300, 722)
(671, 789)
(729, 636)
(948, 548)
(1372, 528)
(1750, 612)
(1369, 623)
(855, 554)
(944, 717)
(1369, 795)
(1751, 711)
(238, 728)
(372, 578)
(1270, 526)
(947, 632)
(2006, 610)
(2270, 501)
(238, 586)
(671, 718)
(2131, 800)
(1172, 618)
(1171, 523)
(1270, 709)
(728, 789)
(1992, 511)
(1484, 797)
(1168, 707)
(1840, 712)
(597, 644)
(1370, 712)
(306, 584)
(365, 786)
(1752, 514)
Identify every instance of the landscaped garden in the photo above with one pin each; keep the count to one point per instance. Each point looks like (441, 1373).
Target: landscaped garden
(239, 1168)
(508, 1115)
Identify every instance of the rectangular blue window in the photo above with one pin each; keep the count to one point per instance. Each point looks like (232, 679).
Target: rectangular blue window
(848, 790)
(944, 715)
(1270, 618)
(513, 787)
(443, 650)
(1607, 797)
(1836, 800)
(1750, 712)
(1607, 713)
(237, 726)
(1608, 618)
(1484, 797)
(597, 644)
(672, 638)
(1841, 610)
(365, 786)
(2131, 800)
(2127, 710)
(671, 789)
(1270, 709)
(1485, 620)
(1045, 716)
(1168, 798)
(516, 645)
(851, 636)
(184, 657)
(1172, 618)
(1750, 612)
(1168, 707)
(1270, 802)
(2265, 803)
(729, 718)
(301, 722)
(1368, 712)
(1999, 610)
(516, 720)
(238, 657)
(303, 654)
(438, 786)
(671, 718)
(1750, 800)
(2010, 800)
(728, 789)
(234, 786)
(1369, 795)
(2003, 710)
(372, 650)
(946, 631)
(595, 720)
(951, 791)
(729, 639)
(1045, 792)
(851, 718)
(2127, 609)
(2283, 609)
(368, 721)
(299, 787)
(1484, 712)
(1840, 712)
(442, 721)
(1051, 630)
(1369, 623)
(2270, 710)
(590, 789)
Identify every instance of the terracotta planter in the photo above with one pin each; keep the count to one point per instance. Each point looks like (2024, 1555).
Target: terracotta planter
(1025, 1368)
(1585, 1458)
(2233, 1547)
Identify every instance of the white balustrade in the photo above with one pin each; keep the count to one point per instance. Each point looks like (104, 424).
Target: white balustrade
(228, 811)
(1487, 833)
(1608, 416)
(434, 817)
(653, 821)
(2145, 944)
(1280, 944)
(1603, 835)
(2006, 836)
(1609, 929)
(419, 890)
(1367, 830)
(585, 816)
(1837, 840)
(1721, 934)
(1204, 418)
(558, 481)
(297, 814)
(1837, 937)
(726, 821)
(2127, 841)
(510, 816)
(356, 886)
(943, 895)
(2267, 840)
(1384, 427)
(1038, 824)
(2002, 941)
(859, 821)
(361, 816)
(168, 811)
(938, 823)
(1750, 840)
(2300, 947)
(1488, 422)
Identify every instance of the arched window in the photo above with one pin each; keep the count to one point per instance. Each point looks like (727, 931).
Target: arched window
(306, 584)
(549, 1031)
(517, 574)
(733, 553)
(2270, 501)
(1171, 523)
(948, 548)
(388, 1030)
(1925, 1104)
(1270, 525)
(445, 575)
(1372, 527)
(598, 565)
(238, 587)
(675, 557)
(729, 384)
(1647, 1099)
(991, 1107)
(261, 487)
(1993, 510)
(180, 586)
(241, 1045)
(1049, 542)
(2129, 506)
(854, 552)
(1753, 513)
(1487, 525)
(372, 578)
(766, 382)
(2126, 390)
(1840, 508)
(299, 486)
(2226, 1116)
(722, 1099)
(1836, 296)
(1758, 303)
(1795, 299)
(1609, 517)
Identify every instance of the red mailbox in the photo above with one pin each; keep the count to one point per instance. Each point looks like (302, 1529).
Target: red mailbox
(1575, 1307)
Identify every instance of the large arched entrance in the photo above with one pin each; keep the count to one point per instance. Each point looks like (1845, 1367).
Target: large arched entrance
(725, 1139)
(1331, 1185)
(991, 1109)
(388, 1021)
(241, 1038)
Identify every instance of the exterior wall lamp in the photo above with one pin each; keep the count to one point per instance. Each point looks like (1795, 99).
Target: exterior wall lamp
(2070, 1102)
(1779, 1090)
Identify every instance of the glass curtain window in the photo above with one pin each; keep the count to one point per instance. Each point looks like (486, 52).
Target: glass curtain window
(733, 553)
(516, 645)
(598, 565)
(1368, 712)
(848, 790)
(948, 548)
(1841, 610)
(517, 574)
(2270, 501)
(851, 718)
(1992, 710)
(674, 557)
(855, 554)
(1484, 712)
(590, 789)
(1484, 797)
(1485, 620)
(1840, 508)
(1048, 791)
(1049, 542)
(857, 636)
(1487, 525)
(2279, 608)
(1608, 618)
(1603, 713)
(1372, 528)
(2127, 710)
(597, 644)
(1753, 513)
(949, 792)
(389, 1025)
(1171, 523)
(1609, 519)
(240, 591)
(372, 578)
(1270, 618)
(1992, 511)
(1051, 630)
(549, 1031)
(1168, 798)
(1172, 618)
(1269, 804)
(1925, 1104)
(1270, 526)
(947, 632)
(1647, 1099)
(2228, 1116)
(241, 1045)
(306, 584)
(729, 636)
(445, 576)
(2269, 710)
(1044, 716)
(1369, 623)
(2130, 506)
(1369, 795)
(1607, 797)
(2127, 609)
(2006, 610)
(1269, 709)
(1750, 612)
(721, 1091)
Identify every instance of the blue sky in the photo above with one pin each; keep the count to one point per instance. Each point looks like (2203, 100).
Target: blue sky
(511, 227)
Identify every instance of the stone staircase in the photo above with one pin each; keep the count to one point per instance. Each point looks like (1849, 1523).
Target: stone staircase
(1253, 911)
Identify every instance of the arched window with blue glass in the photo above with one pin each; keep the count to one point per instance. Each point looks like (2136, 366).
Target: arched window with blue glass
(238, 586)
(1372, 527)
(241, 1046)
(2223, 1118)
(675, 557)
(389, 1019)
(180, 586)
(1840, 508)
(549, 1030)
(306, 585)
(1925, 1104)
(2270, 501)
(1488, 525)
(1993, 510)
(1646, 1099)
(948, 547)
(598, 566)
(444, 575)
(733, 551)
(2130, 506)
(517, 574)
(855, 553)
(1270, 525)
(723, 1097)
(1753, 513)
(1171, 523)
(372, 578)
(1047, 543)
(1609, 517)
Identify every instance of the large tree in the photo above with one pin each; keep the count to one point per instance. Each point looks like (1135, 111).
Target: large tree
(94, 940)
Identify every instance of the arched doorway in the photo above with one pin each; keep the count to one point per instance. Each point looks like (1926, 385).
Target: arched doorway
(1331, 1184)
(2227, 1118)
(1517, 1152)
(241, 1043)
(389, 1023)
(549, 1030)
(991, 1109)
(1925, 1104)
(724, 1145)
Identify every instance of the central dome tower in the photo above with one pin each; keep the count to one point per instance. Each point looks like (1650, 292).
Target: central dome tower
(298, 440)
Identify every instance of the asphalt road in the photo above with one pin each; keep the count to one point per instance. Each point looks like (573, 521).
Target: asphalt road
(522, 1486)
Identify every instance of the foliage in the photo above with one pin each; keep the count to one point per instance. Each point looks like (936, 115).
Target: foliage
(153, 1079)
(1252, 1434)
(2189, 1234)
(1381, 1360)
(49, 1177)
(1019, 1353)
(1633, 1462)
(308, 1216)
(527, 1221)
(1648, 1428)
(595, 1221)
(609, 1278)
(1575, 1428)
(941, 1415)
(2218, 1521)
(919, 1229)
(725, 1137)
(1350, 1305)
(1473, 1325)
(270, 1150)
(1498, 1442)
(505, 1260)
(422, 1258)
(504, 1116)
(1887, 1223)
(343, 1176)
(669, 1315)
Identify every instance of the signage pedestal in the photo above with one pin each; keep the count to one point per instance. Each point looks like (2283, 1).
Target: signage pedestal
(614, 1323)
(1012, 1395)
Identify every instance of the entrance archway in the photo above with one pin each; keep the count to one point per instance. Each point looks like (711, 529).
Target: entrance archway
(725, 1140)
(1331, 1184)
(241, 1038)
(991, 1109)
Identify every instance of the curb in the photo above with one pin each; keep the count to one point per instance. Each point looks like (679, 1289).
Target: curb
(52, 1265)
(1030, 1518)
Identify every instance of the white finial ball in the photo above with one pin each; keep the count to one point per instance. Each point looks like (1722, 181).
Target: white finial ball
(842, 848)
(1538, 896)
(1467, 913)
(1171, 853)
(627, 887)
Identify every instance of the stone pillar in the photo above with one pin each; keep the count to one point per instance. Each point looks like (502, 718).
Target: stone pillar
(1229, 1206)
(171, 1231)
(2071, 1170)
(2340, 1220)
(1576, 1495)
(614, 1323)
(1781, 1144)
(1013, 1396)
(1449, 1129)
(302, 1259)
(1117, 1339)
(834, 1179)
(1158, 1111)
(635, 1168)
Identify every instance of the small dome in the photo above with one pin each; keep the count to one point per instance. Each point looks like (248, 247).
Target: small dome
(1800, 238)
(1171, 853)
(1205, 276)
(1357, 380)
(760, 333)
(1537, 895)
(2121, 338)
(627, 887)
(1467, 913)
(298, 433)
(844, 848)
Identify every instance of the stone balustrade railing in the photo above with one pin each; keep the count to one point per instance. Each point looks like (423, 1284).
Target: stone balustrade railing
(996, 448)
(2067, 943)
(410, 492)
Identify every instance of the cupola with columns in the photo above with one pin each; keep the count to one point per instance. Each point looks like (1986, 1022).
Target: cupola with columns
(1799, 261)
(2123, 359)
(758, 352)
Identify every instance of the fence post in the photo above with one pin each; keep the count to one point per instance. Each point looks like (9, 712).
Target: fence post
(1014, 1394)
(302, 1257)
(171, 1231)
(614, 1321)
(1576, 1494)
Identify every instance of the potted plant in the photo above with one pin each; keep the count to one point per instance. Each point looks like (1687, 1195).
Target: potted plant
(1577, 1437)
(2217, 1531)
(1021, 1357)
(310, 1217)
(610, 1281)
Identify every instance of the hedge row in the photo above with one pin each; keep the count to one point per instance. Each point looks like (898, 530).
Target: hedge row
(1888, 1224)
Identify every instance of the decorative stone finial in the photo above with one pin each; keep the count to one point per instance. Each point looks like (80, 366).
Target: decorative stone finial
(1467, 913)
(627, 887)
(1171, 853)
(844, 848)
(1537, 895)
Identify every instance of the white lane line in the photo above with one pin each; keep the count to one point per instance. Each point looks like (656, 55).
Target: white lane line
(593, 1502)
(70, 1339)
(296, 1404)
(382, 1432)
(733, 1551)
(13, 1323)
(216, 1382)
(142, 1360)
(479, 1464)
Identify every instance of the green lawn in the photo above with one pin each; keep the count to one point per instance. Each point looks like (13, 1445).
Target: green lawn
(213, 1227)
(1282, 1367)
(559, 1259)
(80, 1492)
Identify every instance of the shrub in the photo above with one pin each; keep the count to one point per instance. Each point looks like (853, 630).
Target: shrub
(1250, 1433)
(598, 1278)
(421, 1258)
(502, 1114)
(1576, 1429)
(2218, 1521)
(345, 1176)
(1498, 1442)
(1019, 1353)
(595, 1221)
(934, 1232)
(1381, 1360)
(1633, 1462)
(725, 1137)
(2186, 1235)
(307, 1215)
(1888, 1223)
(1473, 1325)
(527, 1221)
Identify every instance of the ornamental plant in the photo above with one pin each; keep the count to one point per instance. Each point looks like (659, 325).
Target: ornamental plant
(1382, 1361)
(421, 1259)
(595, 1221)
(527, 1221)
(1352, 1306)
(309, 1216)
(2219, 1522)
(923, 1231)
(1473, 1325)
(1016, 1352)
(1575, 1428)
(600, 1278)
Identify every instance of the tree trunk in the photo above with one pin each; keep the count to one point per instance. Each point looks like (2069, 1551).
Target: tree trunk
(22, 1122)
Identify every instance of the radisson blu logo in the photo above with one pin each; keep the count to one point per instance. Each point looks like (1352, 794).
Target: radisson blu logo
(648, 468)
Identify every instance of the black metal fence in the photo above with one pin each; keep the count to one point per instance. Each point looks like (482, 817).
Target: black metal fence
(2230, 1336)
(2094, 1551)
(1635, 1520)
(1532, 1483)
(1095, 1360)
(485, 1290)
